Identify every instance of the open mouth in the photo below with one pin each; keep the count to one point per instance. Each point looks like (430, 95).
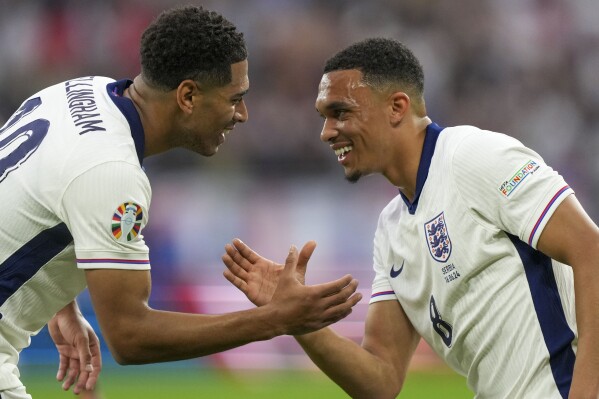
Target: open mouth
(342, 152)
(223, 134)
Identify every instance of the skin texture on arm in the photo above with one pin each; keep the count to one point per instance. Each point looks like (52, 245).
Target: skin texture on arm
(138, 334)
(376, 369)
(571, 237)
(78, 347)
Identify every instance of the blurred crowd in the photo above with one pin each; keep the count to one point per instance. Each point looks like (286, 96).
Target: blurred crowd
(527, 68)
(524, 67)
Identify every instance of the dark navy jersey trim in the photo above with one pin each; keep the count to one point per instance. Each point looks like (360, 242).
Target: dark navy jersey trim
(428, 149)
(545, 296)
(115, 92)
(29, 259)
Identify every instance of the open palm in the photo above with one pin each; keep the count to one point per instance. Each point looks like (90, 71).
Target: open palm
(256, 276)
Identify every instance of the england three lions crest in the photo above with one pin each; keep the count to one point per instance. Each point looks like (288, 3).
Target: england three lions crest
(437, 238)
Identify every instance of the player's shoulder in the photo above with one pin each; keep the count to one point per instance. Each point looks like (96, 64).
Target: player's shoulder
(472, 138)
(391, 212)
(78, 86)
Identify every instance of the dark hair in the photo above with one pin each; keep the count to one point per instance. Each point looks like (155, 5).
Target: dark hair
(190, 43)
(383, 63)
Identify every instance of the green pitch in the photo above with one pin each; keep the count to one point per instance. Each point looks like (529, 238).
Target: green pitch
(159, 382)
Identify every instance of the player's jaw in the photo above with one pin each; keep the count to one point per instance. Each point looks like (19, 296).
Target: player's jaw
(346, 154)
(204, 143)
(221, 136)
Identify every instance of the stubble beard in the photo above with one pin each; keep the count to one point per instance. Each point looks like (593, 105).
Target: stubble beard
(353, 177)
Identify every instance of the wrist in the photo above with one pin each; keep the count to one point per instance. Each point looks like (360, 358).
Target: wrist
(271, 318)
(70, 309)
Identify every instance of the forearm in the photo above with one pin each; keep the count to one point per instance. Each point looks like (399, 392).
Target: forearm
(585, 382)
(360, 373)
(160, 336)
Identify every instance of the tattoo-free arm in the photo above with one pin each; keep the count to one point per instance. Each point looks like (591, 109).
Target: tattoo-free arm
(377, 368)
(136, 333)
(571, 237)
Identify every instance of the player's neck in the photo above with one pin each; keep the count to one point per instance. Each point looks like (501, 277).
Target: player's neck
(151, 106)
(403, 171)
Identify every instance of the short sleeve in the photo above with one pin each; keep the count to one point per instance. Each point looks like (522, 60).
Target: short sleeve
(381, 287)
(106, 209)
(506, 184)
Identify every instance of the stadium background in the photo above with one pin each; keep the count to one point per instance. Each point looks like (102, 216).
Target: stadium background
(529, 68)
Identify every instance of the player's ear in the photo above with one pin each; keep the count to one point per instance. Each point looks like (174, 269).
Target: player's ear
(399, 103)
(186, 91)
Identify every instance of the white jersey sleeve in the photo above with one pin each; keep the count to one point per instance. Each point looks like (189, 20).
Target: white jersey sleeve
(507, 185)
(107, 231)
(381, 286)
(382, 289)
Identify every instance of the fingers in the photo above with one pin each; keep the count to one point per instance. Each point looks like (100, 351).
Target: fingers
(236, 281)
(291, 260)
(63, 366)
(334, 287)
(85, 367)
(323, 307)
(339, 304)
(246, 251)
(346, 296)
(234, 265)
(304, 257)
(72, 373)
(234, 258)
(96, 366)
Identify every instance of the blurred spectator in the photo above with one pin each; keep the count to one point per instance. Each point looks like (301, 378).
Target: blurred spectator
(527, 68)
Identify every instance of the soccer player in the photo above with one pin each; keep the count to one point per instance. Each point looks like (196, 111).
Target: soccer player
(485, 253)
(75, 200)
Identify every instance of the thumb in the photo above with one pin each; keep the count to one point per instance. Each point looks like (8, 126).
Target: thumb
(304, 256)
(291, 261)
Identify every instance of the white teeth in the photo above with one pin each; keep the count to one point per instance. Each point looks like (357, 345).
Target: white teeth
(342, 151)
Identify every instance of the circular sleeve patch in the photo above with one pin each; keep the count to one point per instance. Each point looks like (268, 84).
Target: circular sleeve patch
(126, 221)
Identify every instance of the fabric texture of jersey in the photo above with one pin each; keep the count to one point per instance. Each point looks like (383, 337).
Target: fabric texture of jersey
(461, 260)
(73, 195)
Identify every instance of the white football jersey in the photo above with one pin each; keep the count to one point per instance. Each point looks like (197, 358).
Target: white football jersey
(462, 261)
(73, 196)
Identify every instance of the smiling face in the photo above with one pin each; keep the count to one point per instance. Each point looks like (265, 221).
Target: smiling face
(212, 113)
(356, 123)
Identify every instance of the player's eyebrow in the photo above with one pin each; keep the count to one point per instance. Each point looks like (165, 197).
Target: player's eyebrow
(334, 106)
(240, 94)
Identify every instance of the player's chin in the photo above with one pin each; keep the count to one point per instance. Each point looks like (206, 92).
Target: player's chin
(352, 176)
(204, 150)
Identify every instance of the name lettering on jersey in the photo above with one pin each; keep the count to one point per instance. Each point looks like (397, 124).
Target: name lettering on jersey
(509, 186)
(82, 105)
(437, 238)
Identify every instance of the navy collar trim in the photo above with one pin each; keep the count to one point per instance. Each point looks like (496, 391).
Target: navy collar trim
(428, 149)
(125, 105)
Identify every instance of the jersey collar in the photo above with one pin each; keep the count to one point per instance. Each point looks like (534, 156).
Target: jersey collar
(428, 149)
(125, 105)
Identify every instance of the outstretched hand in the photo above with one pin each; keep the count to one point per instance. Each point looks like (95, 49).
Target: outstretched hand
(256, 276)
(301, 308)
(78, 347)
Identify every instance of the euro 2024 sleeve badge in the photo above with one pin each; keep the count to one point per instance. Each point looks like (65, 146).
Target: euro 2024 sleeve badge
(126, 221)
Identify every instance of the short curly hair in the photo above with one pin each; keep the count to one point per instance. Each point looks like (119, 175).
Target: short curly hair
(190, 43)
(383, 62)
